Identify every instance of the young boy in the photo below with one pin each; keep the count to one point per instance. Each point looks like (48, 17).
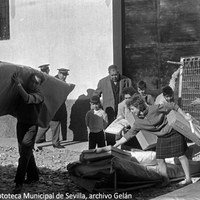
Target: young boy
(96, 121)
(170, 143)
(141, 87)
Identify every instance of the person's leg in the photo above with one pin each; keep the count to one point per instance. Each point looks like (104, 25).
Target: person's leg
(163, 171)
(25, 148)
(92, 141)
(101, 139)
(55, 128)
(40, 137)
(186, 168)
(110, 138)
(20, 135)
(32, 171)
(64, 127)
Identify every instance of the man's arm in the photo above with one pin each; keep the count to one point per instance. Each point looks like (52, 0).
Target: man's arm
(105, 120)
(22, 92)
(120, 142)
(33, 98)
(172, 82)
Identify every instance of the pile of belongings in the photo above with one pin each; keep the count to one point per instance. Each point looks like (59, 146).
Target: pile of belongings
(109, 169)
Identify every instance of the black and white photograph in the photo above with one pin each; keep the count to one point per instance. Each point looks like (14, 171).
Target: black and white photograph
(100, 99)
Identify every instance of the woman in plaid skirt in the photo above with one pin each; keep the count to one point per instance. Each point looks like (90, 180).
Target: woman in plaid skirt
(170, 143)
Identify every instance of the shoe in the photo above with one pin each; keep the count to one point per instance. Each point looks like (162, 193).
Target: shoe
(184, 183)
(58, 146)
(40, 141)
(28, 181)
(17, 189)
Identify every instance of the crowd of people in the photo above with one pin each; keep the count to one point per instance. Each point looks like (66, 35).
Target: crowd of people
(121, 100)
(115, 97)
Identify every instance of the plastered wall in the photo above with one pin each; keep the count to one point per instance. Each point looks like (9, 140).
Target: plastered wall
(74, 34)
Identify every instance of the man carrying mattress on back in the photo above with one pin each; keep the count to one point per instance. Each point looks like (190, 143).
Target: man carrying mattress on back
(29, 102)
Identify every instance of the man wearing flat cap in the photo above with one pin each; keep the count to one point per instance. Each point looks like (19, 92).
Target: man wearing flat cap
(61, 114)
(62, 74)
(60, 118)
(44, 68)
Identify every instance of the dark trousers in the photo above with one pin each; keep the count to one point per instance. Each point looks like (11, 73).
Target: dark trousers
(63, 124)
(26, 134)
(111, 139)
(96, 139)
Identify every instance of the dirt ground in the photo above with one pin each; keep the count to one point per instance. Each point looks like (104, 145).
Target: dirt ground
(54, 178)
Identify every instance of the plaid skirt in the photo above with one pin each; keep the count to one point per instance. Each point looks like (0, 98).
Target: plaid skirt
(170, 145)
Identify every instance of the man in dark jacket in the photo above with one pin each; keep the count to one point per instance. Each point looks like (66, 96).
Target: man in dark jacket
(58, 121)
(29, 102)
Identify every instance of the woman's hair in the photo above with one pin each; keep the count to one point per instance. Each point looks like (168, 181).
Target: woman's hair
(136, 101)
(129, 90)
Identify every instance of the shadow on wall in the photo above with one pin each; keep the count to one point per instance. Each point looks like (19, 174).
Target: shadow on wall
(77, 117)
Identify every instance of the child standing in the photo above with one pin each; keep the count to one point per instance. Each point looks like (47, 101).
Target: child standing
(96, 121)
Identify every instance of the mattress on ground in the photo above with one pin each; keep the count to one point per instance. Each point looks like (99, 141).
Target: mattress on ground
(128, 171)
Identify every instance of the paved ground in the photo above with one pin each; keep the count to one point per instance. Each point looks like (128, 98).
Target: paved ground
(191, 192)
